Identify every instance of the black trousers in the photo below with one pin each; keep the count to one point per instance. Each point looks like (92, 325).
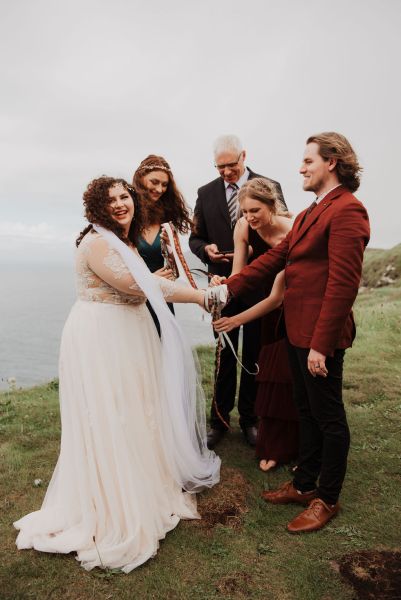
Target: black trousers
(324, 432)
(227, 379)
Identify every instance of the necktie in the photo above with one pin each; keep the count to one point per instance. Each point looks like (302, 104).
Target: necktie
(232, 203)
(309, 210)
(311, 207)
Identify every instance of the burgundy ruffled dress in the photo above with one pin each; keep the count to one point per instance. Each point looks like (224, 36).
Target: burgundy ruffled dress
(278, 436)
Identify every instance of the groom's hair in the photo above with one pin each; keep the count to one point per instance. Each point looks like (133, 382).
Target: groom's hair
(335, 145)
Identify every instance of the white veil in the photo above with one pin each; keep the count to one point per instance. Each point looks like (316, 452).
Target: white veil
(183, 419)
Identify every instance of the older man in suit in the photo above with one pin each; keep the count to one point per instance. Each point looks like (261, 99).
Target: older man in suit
(216, 213)
(322, 257)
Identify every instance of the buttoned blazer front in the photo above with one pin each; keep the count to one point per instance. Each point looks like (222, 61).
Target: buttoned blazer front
(213, 223)
(322, 256)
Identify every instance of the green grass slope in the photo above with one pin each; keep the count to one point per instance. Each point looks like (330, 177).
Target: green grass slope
(241, 549)
(382, 267)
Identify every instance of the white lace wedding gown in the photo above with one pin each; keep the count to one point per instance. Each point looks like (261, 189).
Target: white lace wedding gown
(114, 492)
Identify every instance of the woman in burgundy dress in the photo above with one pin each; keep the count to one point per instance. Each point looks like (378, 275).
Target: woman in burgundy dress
(264, 224)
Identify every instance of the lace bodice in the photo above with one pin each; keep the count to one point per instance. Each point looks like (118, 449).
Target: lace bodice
(102, 276)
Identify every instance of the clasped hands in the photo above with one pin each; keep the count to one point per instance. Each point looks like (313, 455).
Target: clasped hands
(217, 296)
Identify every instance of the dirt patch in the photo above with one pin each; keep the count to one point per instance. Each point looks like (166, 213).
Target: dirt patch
(235, 583)
(374, 574)
(226, 503)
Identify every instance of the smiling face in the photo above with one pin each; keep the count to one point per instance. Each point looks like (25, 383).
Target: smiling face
(156, 184)
(230, 165)
(256, 213)
(121, 206)
(317, 172)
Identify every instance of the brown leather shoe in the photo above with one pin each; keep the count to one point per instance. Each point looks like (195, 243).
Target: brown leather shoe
(314, 517)
(286, 494)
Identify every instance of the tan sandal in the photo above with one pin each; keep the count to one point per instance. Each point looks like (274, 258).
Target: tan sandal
(267, 465)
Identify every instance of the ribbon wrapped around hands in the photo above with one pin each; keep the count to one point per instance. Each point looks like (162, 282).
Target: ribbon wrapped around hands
(215, 300)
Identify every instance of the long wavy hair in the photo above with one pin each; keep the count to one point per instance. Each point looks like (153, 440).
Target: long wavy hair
(335, 145)
(96, 200)
(171, 205)
(264, 191)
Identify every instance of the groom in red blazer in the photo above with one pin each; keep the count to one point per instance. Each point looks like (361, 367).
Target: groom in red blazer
(322, 257)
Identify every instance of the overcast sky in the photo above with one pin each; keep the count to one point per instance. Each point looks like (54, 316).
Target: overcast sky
(93, 86)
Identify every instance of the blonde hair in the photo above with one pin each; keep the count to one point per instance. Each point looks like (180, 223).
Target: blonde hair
(264, 191)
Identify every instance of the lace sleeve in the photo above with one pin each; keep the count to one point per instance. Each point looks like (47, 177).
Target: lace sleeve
(167, 287)
(109, 266)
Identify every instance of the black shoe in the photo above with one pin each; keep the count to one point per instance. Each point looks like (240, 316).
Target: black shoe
(214, 436)
(250, 434)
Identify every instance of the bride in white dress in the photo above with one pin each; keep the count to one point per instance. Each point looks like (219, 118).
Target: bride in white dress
(133, 444)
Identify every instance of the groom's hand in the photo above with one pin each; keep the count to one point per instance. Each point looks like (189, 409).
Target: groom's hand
(317, 363)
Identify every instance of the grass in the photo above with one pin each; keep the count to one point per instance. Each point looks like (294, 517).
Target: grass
(251, 555)
(380, 267)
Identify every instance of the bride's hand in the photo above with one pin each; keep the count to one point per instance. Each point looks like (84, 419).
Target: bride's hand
(201, 298)
(227, 324)
(216, 280)
(165, 272)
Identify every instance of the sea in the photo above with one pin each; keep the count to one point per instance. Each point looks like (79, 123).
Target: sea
(34, 303)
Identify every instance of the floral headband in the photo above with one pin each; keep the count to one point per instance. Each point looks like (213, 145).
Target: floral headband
(154, 167)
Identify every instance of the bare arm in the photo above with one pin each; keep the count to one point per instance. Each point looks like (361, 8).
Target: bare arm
(241, 251)
(260, 271)
(273, 301)
(241, 247)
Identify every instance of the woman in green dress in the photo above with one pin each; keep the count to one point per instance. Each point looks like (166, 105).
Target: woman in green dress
(162, 202)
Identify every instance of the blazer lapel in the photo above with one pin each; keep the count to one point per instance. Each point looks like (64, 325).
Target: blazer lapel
(299, 232)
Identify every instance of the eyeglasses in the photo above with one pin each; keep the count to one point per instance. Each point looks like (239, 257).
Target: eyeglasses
(228, 165)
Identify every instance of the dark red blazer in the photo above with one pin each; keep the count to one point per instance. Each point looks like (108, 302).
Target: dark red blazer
(322, 257)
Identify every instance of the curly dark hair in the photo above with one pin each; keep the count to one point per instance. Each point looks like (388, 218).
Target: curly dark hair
(96, 199)
(335, 145)
(171, 206)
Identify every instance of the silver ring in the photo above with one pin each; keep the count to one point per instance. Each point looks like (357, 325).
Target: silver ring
(317, 366)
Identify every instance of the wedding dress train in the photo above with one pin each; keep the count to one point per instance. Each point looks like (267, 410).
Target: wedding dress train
(117, 488)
